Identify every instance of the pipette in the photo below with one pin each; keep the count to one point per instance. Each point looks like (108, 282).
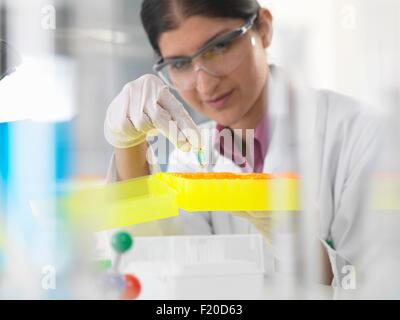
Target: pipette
(201, 158)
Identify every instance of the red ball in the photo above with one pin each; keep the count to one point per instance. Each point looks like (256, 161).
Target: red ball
(132, 287)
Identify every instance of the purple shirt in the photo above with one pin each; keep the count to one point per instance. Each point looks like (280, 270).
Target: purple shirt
(247, 163)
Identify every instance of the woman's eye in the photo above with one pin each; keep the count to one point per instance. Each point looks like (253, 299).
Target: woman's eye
(220, 47)
(180, 65)
(216, 50)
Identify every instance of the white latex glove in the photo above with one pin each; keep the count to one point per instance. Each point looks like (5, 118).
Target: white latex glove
(262, 220)
(143, 107)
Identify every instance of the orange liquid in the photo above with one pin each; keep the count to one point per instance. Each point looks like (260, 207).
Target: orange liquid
(228, 175)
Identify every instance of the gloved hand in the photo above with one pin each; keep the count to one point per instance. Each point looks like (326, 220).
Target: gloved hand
(262, 220)
(145, 106)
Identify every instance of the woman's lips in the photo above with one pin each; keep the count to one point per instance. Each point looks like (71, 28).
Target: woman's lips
(220, 102)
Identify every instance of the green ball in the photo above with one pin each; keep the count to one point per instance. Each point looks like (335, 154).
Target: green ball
(121, 241)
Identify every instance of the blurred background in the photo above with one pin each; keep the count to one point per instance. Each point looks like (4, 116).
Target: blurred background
(82, 53)
(73, 57)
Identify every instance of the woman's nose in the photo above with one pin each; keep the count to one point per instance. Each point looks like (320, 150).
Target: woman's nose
(206, 82)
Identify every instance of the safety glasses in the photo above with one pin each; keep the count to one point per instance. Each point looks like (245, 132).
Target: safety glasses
(219, 57)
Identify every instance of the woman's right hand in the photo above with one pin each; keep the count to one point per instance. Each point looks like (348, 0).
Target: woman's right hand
(142, 108)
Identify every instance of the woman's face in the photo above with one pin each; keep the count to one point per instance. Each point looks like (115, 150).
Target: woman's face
(237, 99)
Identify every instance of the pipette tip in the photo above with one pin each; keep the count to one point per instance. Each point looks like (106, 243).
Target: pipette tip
(201, 159)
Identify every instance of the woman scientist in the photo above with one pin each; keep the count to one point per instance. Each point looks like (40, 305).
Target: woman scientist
(213, 54)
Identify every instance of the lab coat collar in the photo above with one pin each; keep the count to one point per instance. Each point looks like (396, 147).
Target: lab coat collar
(292, 115)
(284, 138)
(280, 154)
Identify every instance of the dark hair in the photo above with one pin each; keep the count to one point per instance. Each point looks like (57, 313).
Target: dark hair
(159, 16)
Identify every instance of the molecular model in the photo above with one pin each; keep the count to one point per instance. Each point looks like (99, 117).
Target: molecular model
(115, 284)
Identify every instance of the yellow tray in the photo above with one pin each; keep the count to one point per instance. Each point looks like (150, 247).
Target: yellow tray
(385, 192)
(234, 192)
(121, 204)
(159, 196)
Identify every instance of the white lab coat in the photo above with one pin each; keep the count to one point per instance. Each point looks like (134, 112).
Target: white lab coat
(340, 135)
